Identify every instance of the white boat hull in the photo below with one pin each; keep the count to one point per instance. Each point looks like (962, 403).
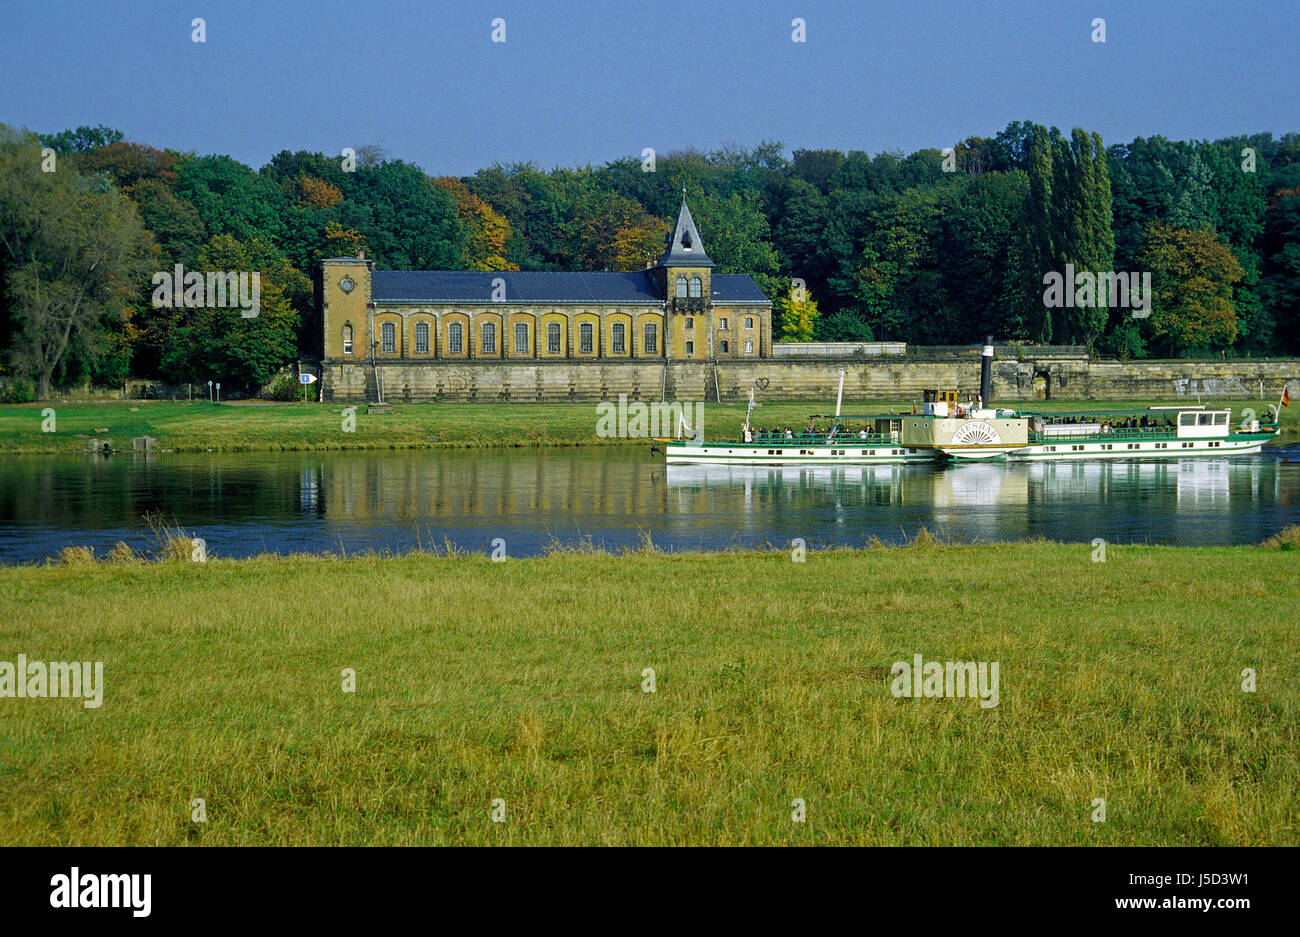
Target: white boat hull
(1130, 449)
(794, 454)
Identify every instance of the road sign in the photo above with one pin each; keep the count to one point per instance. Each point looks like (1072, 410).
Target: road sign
(307, 378)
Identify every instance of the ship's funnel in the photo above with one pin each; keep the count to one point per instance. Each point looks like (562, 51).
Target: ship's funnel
(986, 373)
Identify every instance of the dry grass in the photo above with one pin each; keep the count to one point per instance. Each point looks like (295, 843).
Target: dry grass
(1286, 539)
(522, 680)
(76, 556)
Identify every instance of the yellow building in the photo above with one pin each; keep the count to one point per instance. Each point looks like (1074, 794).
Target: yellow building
(676, 310)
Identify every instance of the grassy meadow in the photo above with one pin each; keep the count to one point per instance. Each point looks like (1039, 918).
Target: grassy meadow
(522, 680)
(249, 427)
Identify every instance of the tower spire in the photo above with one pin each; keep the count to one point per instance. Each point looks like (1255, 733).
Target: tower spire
(685, 247)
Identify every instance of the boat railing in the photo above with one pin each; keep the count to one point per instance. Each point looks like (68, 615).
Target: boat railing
(1126, 432)
(823, 439)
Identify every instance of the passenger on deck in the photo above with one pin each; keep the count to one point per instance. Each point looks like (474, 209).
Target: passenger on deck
(788, 434)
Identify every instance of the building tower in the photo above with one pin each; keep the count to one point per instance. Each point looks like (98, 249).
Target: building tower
(685, 276)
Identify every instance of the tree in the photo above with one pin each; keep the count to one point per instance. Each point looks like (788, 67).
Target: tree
(1083, 186)
(220, 344)
(797, 315)
(486, 230)
(128, 164)
(82, 139)
(614, 233)
(75, 253)
(1192, 273)
(1068, 222)
(409, 223)
(231, 198)
(736, 235)
(816, 167)
(1280, 283)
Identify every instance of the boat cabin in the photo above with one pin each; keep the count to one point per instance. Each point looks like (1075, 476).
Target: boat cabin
(944, 403)
(1192, 422)
(1202, 424)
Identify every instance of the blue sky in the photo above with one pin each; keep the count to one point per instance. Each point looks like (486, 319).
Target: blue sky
(583, 82)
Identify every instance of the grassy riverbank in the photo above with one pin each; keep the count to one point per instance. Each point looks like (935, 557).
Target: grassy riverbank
(522, 680)
(200, 427)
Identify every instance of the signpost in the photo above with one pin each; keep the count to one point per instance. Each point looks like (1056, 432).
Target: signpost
(306, 379)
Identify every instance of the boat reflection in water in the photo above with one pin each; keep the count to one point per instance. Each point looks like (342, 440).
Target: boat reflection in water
(244, 504)
(1185, 501)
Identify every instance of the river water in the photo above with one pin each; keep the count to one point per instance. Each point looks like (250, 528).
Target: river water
(244, 504)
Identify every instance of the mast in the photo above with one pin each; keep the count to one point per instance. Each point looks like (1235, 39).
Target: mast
(839, 398)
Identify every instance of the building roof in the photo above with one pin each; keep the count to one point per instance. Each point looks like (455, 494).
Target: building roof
(476, 286)
(685, 246)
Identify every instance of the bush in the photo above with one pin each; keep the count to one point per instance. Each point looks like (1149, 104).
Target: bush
(122, 553)
(284, 388)
(1286, 539)
(77, 556)
(17, 390)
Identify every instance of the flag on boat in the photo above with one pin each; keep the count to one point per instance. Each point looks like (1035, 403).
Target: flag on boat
(1286, 397)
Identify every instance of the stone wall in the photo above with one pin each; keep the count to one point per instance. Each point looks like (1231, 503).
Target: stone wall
(1044, 377)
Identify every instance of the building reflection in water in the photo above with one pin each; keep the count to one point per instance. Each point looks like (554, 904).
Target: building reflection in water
(246, 503)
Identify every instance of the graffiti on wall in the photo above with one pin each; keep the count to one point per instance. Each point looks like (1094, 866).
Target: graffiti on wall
(1210, 387)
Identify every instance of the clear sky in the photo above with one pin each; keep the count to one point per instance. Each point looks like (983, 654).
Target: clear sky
(584, 82)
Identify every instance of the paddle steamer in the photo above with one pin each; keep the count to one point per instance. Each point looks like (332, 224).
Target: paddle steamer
(944, 428)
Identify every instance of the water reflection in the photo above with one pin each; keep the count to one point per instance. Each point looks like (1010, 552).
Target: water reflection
(283, 502)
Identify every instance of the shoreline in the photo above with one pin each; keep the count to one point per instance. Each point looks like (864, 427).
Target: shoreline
(175, 552)
(198, 427)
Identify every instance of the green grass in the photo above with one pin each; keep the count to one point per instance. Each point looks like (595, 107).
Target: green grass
(199, 427)
(522, 680)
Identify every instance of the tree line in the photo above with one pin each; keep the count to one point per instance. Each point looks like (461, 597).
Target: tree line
(935, 247)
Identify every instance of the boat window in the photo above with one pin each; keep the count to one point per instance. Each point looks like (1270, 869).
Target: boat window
(1187, 419)
(1220, 419)
(1205, 419)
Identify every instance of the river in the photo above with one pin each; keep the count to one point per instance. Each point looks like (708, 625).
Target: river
(245, 504)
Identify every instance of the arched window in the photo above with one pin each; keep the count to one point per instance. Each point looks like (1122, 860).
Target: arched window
(696, 286)
(619, 339)
(421, 338)
(489, 338)
(681, 286)
(584, 338)
(553, 338)
(650, 344)
(521, 338)
(347, 339)
(388, 332)
(455, 339)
